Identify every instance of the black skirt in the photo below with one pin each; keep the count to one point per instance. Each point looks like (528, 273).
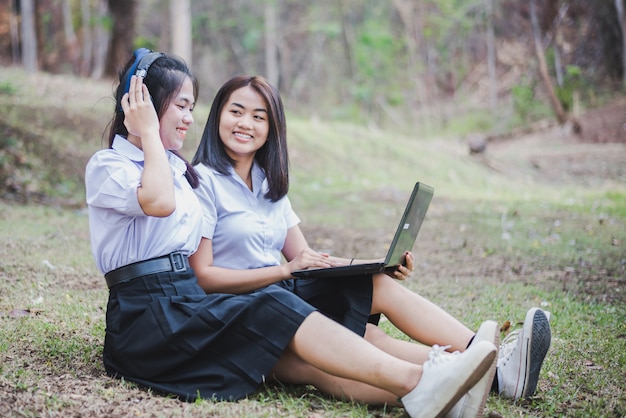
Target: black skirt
(165, 333)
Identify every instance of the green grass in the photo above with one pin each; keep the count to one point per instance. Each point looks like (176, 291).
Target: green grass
(493, 245)
(62, 334)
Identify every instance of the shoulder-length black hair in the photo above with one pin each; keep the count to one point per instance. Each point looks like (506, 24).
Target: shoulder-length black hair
(272, 157)
(164, 79)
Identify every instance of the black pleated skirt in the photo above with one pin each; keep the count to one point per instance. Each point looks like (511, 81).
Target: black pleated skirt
(163, 332)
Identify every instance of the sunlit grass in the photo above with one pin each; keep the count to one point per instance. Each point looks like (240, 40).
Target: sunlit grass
(528, 242)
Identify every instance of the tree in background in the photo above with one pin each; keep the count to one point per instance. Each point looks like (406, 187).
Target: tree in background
(404, 62)
(29, 36)
(180, 29)
(123, 17)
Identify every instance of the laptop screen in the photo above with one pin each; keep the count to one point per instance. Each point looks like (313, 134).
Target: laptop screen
(410, 223)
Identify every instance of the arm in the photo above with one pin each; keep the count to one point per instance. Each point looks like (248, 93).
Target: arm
(222, 280)
(298, 253)
(156, 192)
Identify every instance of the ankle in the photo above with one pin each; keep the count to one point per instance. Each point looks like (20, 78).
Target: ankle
(412, 381)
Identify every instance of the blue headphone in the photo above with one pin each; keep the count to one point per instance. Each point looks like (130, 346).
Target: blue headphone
(143, 60)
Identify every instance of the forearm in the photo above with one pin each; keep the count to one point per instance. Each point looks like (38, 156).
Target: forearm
(221, 280)
(156, 194)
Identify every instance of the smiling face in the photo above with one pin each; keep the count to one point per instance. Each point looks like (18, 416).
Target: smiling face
(244, 125)
(177, 118)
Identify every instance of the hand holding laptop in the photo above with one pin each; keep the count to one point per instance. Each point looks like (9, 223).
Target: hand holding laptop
(402, 271)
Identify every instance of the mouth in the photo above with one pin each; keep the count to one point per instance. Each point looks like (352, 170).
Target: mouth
(242, 136)
(182, 132)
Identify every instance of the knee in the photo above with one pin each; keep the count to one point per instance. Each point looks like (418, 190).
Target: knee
(375, 335)
(290, 368)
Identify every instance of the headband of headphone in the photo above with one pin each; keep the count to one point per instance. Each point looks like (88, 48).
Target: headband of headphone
(143, 60)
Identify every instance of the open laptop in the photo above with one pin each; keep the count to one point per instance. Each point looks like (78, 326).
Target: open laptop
(403, 240)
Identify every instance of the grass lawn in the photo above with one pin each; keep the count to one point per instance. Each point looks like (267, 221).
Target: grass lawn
(537, 221)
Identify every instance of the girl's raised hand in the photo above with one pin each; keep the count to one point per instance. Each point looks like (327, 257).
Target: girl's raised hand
(139, 113)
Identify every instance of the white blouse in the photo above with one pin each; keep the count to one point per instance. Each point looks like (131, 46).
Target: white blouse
(121, 233)
(247, 230)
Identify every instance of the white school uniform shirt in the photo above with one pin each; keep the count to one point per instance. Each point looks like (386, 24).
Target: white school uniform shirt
(121, 233)
(247, 230)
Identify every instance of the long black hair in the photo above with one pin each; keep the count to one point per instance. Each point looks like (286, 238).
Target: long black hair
(272, 157)
(164, 77)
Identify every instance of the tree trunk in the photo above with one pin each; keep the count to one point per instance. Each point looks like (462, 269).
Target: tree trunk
(271, 43)
(491, 55)
(123, 13)
(180, 29)
(29, 36)
(87, 52)
(621, 17)
(411, 14)
(71, 41)
(561, 115)
(14, 31)
(164, 42)
(348, 39)
(101, 40)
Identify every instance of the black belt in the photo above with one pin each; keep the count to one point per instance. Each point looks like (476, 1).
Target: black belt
(174, 262)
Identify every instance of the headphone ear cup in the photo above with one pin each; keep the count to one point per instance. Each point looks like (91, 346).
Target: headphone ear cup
(139, 54)
(143, 60)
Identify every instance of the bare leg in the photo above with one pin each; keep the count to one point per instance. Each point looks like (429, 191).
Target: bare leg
(292, 369)
(342, 363)
(405, 350)
(323, 343)
(416, 316)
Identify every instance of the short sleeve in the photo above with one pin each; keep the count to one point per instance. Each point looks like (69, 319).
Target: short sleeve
(111, 182)
(206, 195)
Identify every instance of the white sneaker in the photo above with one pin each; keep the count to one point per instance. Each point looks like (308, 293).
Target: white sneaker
(473, 403)
(446, 378)
(521, 356)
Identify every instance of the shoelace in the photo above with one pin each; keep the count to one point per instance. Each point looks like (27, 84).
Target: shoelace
(508, 345)
(438, 355)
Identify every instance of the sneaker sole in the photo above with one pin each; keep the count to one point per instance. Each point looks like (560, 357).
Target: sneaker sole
(538, 336)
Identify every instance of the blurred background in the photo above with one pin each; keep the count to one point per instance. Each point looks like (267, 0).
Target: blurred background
(417, 65)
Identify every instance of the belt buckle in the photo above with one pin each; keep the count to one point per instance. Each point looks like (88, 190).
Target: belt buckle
(177, 261)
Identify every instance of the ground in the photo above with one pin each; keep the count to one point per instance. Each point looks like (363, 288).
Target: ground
(555, 155)
(594, 157)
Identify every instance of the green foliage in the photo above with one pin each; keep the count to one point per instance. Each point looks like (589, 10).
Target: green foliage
(572, 83)
(526, 106)
(143, 42)
(477, 120)
(523, 100)
(7, 88)
(378, 59)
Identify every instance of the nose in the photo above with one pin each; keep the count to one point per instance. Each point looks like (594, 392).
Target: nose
(188, 118)
(244, 122)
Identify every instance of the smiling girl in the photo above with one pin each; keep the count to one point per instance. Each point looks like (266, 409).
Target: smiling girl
(319, 332)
